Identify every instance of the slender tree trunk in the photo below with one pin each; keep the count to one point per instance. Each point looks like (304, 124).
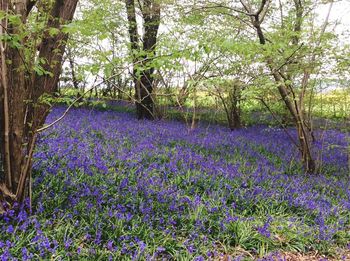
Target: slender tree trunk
(304, 133)
(75, 80)
(134, 47)
(118, 93)
(294, 104)
(235, 100)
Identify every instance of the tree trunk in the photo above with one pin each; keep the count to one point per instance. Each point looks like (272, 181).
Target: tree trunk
(143, 69)
(294, 105)
(235, 111)
(75, 80)
(19, 84)
(145, 108)
(304, 133)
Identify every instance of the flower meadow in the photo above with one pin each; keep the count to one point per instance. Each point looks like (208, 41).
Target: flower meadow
(109, 187)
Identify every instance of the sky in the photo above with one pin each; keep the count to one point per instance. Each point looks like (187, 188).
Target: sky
(340, 12)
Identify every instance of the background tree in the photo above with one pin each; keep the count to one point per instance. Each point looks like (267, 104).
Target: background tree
(143, 54)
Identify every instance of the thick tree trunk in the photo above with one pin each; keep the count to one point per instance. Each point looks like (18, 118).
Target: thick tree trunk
(145, 108)
(19, 84)
(62, 9)
(235, 119)
(143, 78)
(2, 153)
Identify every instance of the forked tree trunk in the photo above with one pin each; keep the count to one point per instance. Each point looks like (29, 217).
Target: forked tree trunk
(21, 89)
(143, 69)
(297, 111)
(295, 105)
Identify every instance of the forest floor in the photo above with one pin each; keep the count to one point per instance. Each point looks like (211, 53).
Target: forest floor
(107, 186)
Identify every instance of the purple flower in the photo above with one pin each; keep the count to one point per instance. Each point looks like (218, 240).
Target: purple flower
(160, 249)
(110, 245)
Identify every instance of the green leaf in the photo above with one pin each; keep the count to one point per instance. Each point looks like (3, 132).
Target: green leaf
(53, 31)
